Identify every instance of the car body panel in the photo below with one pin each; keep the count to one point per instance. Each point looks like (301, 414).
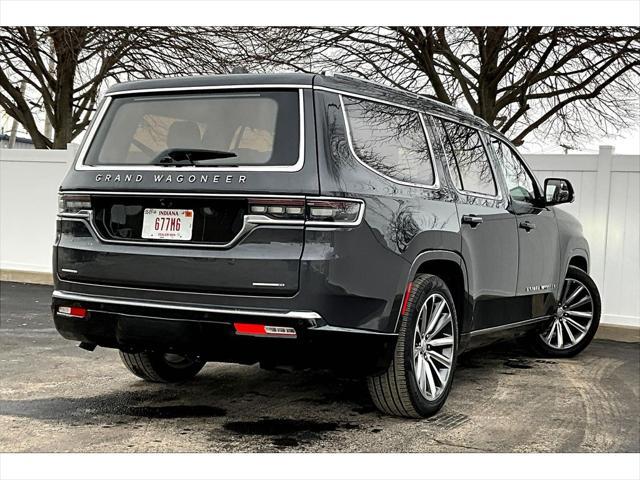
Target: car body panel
(349, 280)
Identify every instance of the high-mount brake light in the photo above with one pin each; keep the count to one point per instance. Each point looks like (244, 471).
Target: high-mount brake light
(73, 204)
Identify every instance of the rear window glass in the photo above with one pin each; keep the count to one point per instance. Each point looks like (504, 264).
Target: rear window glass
(227, 129)
(390, 140)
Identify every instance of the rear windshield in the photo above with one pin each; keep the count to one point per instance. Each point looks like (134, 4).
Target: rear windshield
(224, 129)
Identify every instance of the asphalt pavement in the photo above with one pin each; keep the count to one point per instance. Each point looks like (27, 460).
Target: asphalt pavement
(55, 397)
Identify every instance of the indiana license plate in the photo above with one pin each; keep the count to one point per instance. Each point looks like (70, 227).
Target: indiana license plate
(167, 224)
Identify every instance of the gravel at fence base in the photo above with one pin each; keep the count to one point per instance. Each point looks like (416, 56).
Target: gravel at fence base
(55, 397)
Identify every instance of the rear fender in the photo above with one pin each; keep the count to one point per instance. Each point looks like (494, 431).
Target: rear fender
(420, 263)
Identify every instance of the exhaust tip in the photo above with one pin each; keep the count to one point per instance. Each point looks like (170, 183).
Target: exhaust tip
(89, 346)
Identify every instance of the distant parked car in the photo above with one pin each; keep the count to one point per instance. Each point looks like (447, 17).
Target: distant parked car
(316, 221)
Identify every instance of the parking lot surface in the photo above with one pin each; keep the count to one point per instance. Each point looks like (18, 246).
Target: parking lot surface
(55, 397)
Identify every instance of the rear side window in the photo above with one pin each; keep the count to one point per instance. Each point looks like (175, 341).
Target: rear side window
(467, 158)
(249, 128)
(390, 140)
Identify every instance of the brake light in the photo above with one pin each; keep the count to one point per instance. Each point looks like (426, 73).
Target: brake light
(73, 204)
(334, 212)
(255, 329)
(75, 312)
(278, 208)
(315, 211)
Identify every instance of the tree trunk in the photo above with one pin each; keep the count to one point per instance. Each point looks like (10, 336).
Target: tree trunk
(68, 44)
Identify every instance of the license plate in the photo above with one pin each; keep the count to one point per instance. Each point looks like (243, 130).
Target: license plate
(167, 224)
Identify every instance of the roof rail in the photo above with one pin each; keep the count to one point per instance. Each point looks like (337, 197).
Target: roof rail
(372, 82)
(407, 92)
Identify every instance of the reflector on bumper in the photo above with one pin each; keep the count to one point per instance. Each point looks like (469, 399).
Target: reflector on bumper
(264, 330)
(76, 312)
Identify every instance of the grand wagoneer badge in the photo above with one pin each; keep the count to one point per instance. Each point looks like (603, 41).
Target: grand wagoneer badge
(170, 178)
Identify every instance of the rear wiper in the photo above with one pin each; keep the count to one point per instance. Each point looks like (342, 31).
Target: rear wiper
(190, 156)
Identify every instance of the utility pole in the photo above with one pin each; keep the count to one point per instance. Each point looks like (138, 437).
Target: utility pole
(14, 127)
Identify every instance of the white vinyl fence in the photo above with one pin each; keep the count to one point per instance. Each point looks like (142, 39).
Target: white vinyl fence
(607, 203)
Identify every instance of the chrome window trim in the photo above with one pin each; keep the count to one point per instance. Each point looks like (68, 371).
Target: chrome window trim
(436, 179)
(498, 196)
(80, 165)
(209, 87)
(424, 111)
(520, 158)
(305, 315)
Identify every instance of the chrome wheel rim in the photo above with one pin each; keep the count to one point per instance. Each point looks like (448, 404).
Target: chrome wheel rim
(573, 316)
(433, 346)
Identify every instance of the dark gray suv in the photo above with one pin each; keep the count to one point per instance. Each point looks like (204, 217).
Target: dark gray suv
(311, 220)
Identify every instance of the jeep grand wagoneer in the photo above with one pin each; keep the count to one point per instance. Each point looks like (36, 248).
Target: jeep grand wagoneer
(312, 220)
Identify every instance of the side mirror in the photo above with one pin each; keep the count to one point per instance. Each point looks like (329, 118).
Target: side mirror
(558, 190)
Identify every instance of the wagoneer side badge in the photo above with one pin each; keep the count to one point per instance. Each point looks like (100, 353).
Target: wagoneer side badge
(537, 288)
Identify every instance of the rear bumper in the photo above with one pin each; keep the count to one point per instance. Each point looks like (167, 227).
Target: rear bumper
(135, 325)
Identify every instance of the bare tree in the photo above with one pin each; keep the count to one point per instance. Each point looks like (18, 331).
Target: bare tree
(65, 68)
(564, 82)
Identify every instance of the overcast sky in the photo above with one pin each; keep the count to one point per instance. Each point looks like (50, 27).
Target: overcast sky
(627, 143)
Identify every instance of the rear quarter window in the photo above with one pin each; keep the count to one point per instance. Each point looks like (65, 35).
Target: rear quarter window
(255, 128)
(390, 140)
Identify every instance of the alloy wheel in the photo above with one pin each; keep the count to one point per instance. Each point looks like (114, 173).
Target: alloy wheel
(433, 346)
(573, 316)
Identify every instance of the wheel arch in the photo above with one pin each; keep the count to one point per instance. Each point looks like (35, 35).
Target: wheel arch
(580, 261)
(451, 268)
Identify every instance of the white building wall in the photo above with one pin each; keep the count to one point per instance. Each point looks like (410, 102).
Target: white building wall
(607, 203)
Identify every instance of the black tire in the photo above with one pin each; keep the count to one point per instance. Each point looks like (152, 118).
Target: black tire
(160, 367)
(396, 391)
(544, 349)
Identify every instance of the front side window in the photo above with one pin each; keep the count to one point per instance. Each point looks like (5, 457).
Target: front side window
(519, 181)
(467, 158)
(390, 140)
(224, 129)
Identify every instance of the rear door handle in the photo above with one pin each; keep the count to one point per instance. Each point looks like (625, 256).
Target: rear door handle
(527, 225)
(473, 220)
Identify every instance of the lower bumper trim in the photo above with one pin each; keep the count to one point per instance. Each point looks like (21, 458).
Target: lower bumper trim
(78, 297)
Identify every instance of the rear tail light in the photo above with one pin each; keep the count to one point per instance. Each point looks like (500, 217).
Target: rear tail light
(278, 208)
(335, 212)
(74, 204)
(75, 312)
(315, 211)
(258, 330)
